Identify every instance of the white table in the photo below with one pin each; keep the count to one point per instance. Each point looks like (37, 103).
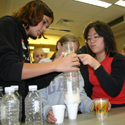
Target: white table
(116, 117)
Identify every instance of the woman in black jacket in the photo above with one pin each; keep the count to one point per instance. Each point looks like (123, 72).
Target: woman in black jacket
(31, 20)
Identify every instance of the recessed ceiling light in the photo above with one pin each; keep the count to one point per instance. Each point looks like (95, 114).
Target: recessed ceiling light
(120, 3)
(96, 3)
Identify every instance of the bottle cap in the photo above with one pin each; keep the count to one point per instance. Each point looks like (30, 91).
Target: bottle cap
(9, 89)
(33, 88)
(15, 87)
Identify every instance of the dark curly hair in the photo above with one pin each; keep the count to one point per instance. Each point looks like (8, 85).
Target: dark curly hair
(32, 13)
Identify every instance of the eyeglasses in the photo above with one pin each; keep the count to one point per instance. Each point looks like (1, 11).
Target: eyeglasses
(95, 38)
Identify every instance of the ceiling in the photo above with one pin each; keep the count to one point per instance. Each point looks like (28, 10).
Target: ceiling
(79, 13)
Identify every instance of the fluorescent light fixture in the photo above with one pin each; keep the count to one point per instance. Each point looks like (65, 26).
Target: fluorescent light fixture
(96, 3)
(120, 3)
(46, 50)
(31, 47)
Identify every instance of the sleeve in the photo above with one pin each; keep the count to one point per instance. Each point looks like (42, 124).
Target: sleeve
(46, 79)
(87, 86)
(84, 72)
(112, 83)
(45, 105)
(82, 50)
(10, 64)
(86, 102)
(43, 80)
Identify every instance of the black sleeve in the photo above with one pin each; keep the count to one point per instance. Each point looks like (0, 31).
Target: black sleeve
(82, 50)
(10, 64)
(112, 83)
(84, 72)
(43, 80)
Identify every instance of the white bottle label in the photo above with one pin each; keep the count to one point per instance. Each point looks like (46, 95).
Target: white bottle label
(36, 105)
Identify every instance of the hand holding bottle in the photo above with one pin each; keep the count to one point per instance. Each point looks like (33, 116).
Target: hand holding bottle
(67, 63)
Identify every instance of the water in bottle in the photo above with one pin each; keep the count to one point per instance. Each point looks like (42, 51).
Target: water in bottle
(1, 95)
(33, 107)
(20, 100)
(9, 108)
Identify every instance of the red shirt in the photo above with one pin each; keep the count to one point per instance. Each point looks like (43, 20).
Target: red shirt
(98, 91)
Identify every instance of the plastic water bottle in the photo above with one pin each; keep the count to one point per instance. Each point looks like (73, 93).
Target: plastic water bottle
(33, 107)
(71, 87)
(1, 95)
(20, 100)
(9, 108)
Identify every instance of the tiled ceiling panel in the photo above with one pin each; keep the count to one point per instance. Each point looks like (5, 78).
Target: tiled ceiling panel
(80, 13)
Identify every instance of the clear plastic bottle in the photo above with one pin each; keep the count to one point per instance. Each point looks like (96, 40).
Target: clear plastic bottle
(71, 79)
(20, 100)
(1, 96)
(71, 87)
(33, 107)
(10, 108)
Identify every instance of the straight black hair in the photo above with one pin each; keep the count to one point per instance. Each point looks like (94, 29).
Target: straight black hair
(104, 31)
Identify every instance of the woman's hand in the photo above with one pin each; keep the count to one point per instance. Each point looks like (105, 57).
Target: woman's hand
(68, 63)
(50, 117)
(87, 59)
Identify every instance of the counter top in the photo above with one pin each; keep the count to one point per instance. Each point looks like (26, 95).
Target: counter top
(115, 117)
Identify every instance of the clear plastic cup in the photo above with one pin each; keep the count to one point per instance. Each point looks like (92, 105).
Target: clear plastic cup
(72, 111)
(101, 108)
(68, 48)
(58, 111)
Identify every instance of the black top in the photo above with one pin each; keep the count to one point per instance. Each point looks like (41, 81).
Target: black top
(84, 73)
(111, 83)
(13, 53)
(106, 82)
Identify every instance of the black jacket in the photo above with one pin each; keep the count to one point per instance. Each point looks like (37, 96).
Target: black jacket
(13, 53)
(84, 72)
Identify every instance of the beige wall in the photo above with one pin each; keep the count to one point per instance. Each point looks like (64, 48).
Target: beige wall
(120, 42)
(52, 39)
(50, 42)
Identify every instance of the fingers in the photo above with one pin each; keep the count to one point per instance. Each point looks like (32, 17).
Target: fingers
(62, 55)
(75, 64)
(50, 117)
(68, 63)
(73, 55)
(82, 55)
(83, 59)
(74, 69)
(109, 106)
